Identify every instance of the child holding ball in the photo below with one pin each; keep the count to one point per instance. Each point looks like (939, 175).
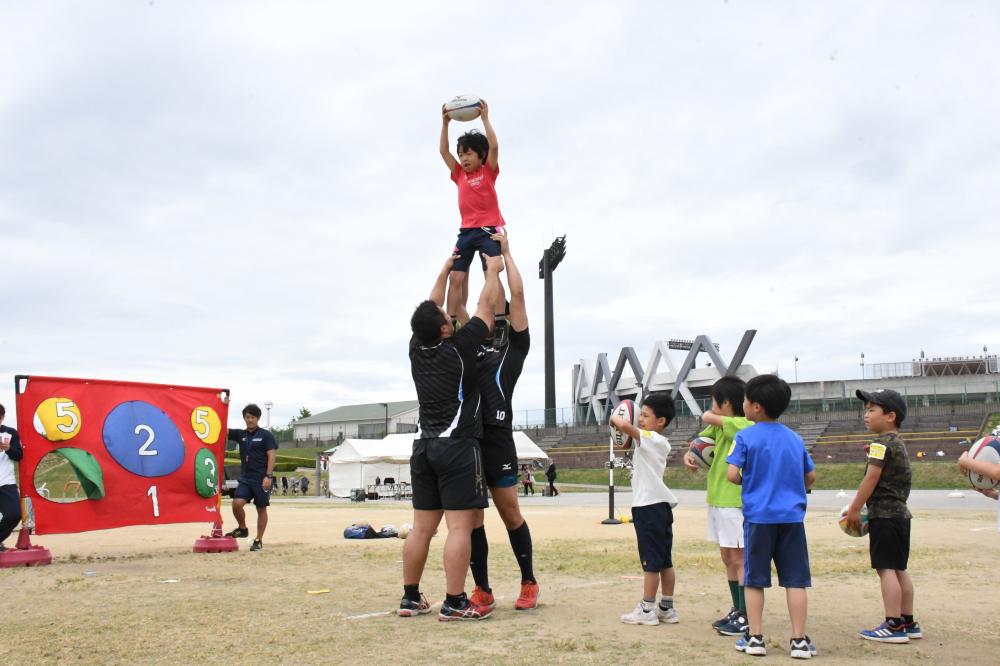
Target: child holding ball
(652, 509)
(992, 470)
(475, 173)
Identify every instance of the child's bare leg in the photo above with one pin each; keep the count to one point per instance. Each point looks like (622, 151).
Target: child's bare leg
(755, 609)
(798, 607)
(650, 582)
(906, 592)
(667, 580)
(733, 559)
(892, 594)
(458, 293)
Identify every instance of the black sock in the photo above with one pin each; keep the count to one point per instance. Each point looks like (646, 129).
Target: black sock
(456, 600)
(412, 592)
(480, 555)
(894, 622)
(908, 619)
(520, 541)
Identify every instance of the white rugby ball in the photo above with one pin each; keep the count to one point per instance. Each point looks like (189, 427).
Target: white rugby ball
(988, 449)
(624, 410)
(463, 108)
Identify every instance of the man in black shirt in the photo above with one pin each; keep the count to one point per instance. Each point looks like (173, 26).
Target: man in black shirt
(501, 359)
(257, 451)
(446, 468)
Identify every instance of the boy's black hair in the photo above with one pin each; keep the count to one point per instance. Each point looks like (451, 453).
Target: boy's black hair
(474, 141)
(3, 412)
(661, 404)
(252, 410)
(731, 389)
(771, 392)
(890, 410)
(426, 323)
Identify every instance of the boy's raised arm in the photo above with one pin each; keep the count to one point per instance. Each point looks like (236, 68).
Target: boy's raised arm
(446, 155)
(491, 136)
(491, 291)
(618, 422)
(518, 311)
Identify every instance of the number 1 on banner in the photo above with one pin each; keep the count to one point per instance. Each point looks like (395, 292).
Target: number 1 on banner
(156, 505)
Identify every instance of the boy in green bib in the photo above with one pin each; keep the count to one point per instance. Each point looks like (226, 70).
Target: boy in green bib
(725, 504)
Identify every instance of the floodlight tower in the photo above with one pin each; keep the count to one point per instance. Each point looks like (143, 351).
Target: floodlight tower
(550, 259)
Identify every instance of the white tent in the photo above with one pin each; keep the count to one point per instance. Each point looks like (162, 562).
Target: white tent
(357, 462)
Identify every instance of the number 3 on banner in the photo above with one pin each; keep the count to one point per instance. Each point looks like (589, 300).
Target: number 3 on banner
(156, 505)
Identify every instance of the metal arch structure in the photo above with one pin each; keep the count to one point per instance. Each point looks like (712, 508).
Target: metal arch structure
(593, 391)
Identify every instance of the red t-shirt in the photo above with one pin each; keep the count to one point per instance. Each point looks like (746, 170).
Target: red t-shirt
(477, 197)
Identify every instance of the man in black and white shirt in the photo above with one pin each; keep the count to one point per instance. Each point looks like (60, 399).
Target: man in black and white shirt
(446, 467)
(10, 500)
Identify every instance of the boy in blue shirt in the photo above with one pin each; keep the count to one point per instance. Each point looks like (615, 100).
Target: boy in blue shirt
(770, 461)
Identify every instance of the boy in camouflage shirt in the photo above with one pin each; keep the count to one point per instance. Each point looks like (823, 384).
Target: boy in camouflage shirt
(885, 489)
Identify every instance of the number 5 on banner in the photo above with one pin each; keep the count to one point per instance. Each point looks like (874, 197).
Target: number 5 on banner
(206, 424)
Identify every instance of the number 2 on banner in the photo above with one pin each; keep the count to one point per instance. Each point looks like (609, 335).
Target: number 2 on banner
(144, 450)
(156, 504)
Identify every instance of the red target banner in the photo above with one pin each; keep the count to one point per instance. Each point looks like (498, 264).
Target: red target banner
(101, 454)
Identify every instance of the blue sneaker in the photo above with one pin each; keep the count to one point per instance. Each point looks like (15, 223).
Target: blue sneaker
(741, 643)
(913, 630)
(885, 633)
(737, 625)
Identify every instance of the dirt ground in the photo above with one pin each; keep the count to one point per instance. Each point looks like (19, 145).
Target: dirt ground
(139, 595)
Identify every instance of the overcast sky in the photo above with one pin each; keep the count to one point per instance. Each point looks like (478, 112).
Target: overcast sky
(248, 194)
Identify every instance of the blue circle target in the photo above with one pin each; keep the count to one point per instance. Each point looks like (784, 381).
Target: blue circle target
(142, 439)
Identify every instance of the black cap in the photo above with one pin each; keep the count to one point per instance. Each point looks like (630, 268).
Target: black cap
(886, 398)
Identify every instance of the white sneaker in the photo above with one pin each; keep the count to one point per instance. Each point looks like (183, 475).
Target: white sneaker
(641, 616)
(668, 616)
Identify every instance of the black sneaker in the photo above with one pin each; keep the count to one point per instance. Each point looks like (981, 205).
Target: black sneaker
(725, 619)
(802, 648)
(256, 545)
(737, 625)
(409, 608)
(754, 646)
(239, 533)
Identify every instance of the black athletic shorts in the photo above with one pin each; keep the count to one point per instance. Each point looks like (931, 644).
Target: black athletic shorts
(447, 474)
(472, 240)
(249, 489)
(654, 530)
(889, 543)
(499, 457)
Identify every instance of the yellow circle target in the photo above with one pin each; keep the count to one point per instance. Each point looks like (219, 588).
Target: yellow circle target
(206, 425)
(58, 419)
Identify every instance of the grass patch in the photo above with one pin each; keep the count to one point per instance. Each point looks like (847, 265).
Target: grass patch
(829, 476)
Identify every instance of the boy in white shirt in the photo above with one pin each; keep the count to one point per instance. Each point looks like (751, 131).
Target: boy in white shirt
(652, 509)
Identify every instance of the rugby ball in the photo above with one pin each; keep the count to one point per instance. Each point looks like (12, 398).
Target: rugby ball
(987, 449)
(625, 410)
(848, 530)
(703, 451)
(404, 530)
(463, 108)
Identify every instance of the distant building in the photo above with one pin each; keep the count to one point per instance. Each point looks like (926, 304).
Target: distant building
(370, 421)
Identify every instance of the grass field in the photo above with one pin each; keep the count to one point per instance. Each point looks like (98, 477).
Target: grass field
(138, 595)
(829, 476)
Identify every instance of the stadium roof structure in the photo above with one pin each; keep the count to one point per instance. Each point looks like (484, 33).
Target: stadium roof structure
(371, 411)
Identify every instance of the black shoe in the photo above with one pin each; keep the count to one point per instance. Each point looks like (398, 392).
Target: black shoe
(3, 548)
(239, 533)
(256, 545)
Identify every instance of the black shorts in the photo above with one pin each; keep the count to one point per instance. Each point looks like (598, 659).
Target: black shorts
(889, 543)
(654, 530)
(252, 489)
(447, 474)
(499, 457)
(472, 240)
(785, 543)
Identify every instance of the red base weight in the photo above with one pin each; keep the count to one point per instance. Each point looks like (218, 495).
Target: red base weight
(207, 544)
(28, 557)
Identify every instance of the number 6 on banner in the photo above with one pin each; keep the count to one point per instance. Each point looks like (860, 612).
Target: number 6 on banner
(156, 505)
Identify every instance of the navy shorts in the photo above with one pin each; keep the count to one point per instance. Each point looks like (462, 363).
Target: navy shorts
(252, 489)
(499, 457)
(472, 240)
(654, 530)
(889, 543)
(785, 543)
(447, 474)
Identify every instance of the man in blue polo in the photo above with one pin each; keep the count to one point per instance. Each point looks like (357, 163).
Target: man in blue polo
(257, 451)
